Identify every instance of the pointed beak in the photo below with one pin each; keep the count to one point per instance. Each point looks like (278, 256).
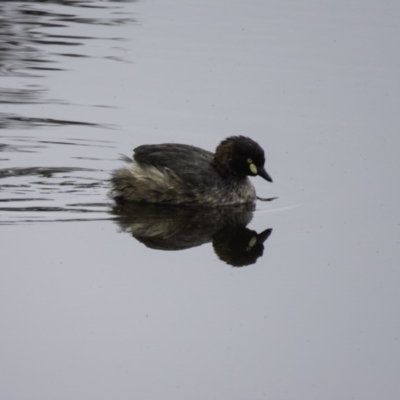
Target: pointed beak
(264, 235)
(264, 174)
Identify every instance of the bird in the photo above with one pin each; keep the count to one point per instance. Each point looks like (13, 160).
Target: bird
(181, 174)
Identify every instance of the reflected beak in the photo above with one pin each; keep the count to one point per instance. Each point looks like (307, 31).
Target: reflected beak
(264, 235)
(264, 174)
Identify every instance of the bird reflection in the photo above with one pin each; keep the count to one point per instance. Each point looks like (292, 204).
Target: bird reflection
(178, 228)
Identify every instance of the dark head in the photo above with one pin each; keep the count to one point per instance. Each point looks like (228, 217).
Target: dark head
(241, 156)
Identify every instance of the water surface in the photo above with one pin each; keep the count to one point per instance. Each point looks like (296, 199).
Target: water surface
(294, 299)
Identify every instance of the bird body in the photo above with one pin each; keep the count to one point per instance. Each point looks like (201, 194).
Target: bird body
(183, 174)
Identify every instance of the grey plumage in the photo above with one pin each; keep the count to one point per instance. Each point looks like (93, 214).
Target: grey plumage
(183, 174)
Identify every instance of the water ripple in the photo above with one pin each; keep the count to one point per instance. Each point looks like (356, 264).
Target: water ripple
(45, 48)
(29, 49)
(50, 193)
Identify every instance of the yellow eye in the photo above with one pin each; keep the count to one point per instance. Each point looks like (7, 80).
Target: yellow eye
(249, 160)
(253, 241)
(253, 169)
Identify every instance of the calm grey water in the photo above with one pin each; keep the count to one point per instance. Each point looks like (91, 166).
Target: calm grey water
(176, 304)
